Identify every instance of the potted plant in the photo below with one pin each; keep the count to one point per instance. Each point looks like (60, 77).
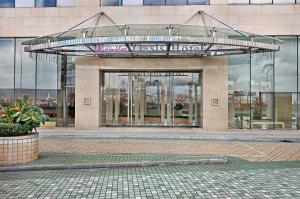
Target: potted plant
(18, 134)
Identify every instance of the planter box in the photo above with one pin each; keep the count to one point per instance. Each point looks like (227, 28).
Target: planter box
(19, 150)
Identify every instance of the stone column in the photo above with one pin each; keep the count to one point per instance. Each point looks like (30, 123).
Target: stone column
(215, 86)
(87, 97)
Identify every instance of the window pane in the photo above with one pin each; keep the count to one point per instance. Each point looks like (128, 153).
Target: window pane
(65, 2)
(7, 3)
(47, 83)
(176, 2)
(239, 1)
(198, 2)
(261, 1)
(6, 71)
(286, 66)
(111, 2)
(45, 3)
(25, 72)
(262, 70)
(284, 1)
(262, 110)
(132, 2)
(25, 3)
(154, 2)
(238, 91)
(285, 111)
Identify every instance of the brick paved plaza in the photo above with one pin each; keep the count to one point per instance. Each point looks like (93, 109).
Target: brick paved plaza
(255, 169)
(251, 151)
(239, 179)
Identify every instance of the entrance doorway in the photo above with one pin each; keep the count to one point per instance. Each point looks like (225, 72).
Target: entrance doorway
(168, 99)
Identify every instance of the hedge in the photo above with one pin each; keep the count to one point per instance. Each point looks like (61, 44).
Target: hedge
(8, 130)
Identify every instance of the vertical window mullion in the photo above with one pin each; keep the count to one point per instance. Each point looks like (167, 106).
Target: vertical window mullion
(15, 60)
(250, 96)
(297, 98)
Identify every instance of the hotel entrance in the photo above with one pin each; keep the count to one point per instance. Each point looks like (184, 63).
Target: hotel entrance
(168, 99)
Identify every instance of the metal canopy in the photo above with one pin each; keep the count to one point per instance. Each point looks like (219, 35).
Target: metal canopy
(152, 40)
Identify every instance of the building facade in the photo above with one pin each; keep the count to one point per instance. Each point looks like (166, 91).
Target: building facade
(251, 91)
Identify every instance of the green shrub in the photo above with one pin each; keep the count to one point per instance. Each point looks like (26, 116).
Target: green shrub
(7, 130)
(23, 113)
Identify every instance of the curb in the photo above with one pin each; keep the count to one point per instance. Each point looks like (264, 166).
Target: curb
(218, 160)
(200, 137)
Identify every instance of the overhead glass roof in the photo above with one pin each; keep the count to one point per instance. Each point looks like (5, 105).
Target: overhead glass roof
(136, 40)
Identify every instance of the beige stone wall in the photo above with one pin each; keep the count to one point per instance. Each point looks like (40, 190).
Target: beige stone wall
(214, 70)
(262, 19)
(87, 87)
(18, 150)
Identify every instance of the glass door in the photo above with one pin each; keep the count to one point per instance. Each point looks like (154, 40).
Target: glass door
(150, 99)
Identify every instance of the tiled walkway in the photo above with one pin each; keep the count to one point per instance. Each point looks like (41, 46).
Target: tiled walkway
(237, 180)
(172, 133)
(251, 151)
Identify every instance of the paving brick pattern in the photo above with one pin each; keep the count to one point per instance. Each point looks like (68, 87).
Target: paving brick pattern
(251, 151)
(240, 179)
(96, 158)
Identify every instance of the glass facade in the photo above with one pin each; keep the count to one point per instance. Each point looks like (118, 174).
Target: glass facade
(153, 2)
(263, 88)
(7, 3)
(151, 99)
(45, 3)
(264, 1)
(35, 3)
(48, 80)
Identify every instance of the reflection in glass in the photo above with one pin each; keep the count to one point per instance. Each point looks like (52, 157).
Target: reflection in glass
(154, 2)
(25, 72)
(45, 3)
(7, 3)
(24, 3)
(47, 84)
(261, 1)
(285, 111)
(283, 1)
(262, 71)
(151, 99)
(238, 91)
(238, 1)
(6, 71)
(286, 66)
(176, 2)
(262, 110)
(198, 2)
(111, 2)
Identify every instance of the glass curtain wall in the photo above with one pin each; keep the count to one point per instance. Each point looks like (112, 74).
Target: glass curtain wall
(7, 71)
(286, 84)
(238, 91)
(273, 86)
(48, 80)
(151, 99)
(25, 80)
